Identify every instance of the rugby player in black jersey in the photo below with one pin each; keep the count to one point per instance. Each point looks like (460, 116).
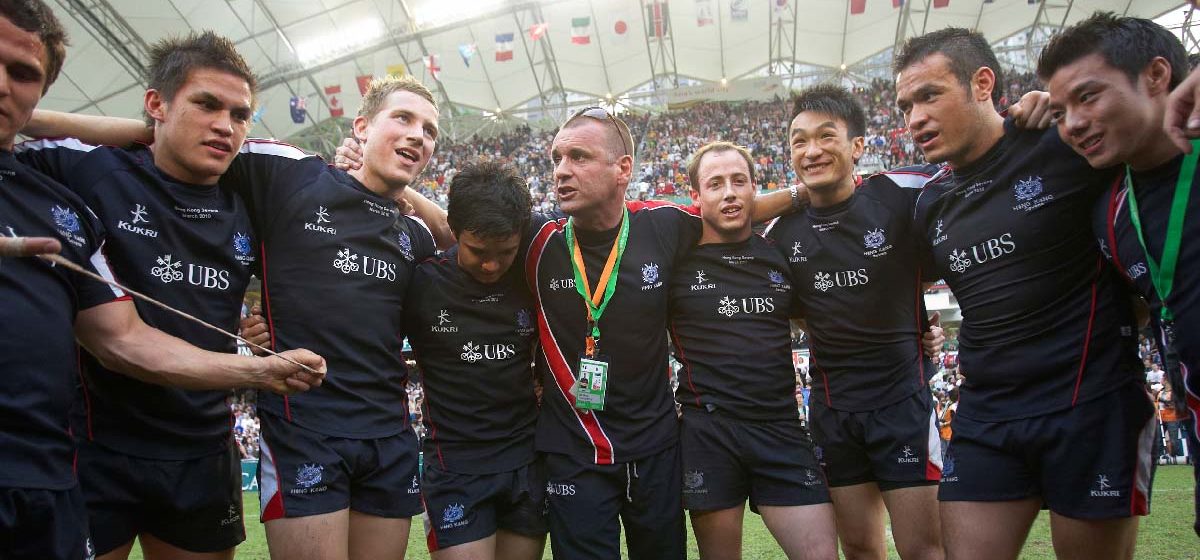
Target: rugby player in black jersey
(47, 308)
(1052, 412)
(1109, 78)
(854, 258)
(740, 435)
(472, 332)
(175, 235)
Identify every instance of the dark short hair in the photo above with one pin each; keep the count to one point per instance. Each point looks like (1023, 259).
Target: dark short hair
(835, 101)
(967, 50)
(174, 58)
(1125, 43)
(35, 16)
(490, 199)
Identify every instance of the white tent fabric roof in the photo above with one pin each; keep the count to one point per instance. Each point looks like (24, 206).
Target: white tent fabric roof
(100, 79)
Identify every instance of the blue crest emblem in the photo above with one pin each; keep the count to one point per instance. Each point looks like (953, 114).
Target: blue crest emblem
(874, 239)
(1028, 188)
(650, 273)
(308, 476)
(523, 319)
(948, 464)
(406, 245)
(818, 452)
(241, 244)
(66, 219)
(775, 277)
(452, 513)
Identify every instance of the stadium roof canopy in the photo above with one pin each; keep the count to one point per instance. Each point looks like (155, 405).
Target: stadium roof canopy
(492, 56)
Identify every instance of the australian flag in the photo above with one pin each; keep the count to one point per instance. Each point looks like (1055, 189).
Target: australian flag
(299, 107)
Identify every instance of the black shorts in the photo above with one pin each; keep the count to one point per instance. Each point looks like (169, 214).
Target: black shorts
(588, 504)
(896, 446)
(38, 524)
(726, 461)
(464, 508)
(1092, 461)
(302, 473)
(193, 504)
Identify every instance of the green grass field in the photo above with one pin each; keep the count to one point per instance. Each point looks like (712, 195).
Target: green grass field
(1166, 534)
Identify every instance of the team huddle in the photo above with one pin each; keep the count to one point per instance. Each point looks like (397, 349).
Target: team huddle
(1055, 225)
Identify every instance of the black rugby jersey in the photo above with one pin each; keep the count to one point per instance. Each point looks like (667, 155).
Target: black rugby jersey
(1046, 324)
(189, 246)
(38, 355)
(474, 348)
(857, 272)
(730, 304)
(337, 260)
(1118, 241)
(639, 417)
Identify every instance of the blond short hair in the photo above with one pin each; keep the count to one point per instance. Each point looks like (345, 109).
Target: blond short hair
(693, 167)
(381, 88)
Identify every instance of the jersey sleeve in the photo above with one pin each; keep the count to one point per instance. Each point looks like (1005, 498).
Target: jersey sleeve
(678, 226)
(55, 158)
(263, 174)
(423, 245)
(91, 257)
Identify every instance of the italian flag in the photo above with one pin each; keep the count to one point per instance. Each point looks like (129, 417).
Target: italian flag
(579, 30)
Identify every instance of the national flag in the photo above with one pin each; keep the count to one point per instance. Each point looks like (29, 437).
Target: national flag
(258, 114)
(299, 107)
(579, 30)
(739, 10)
(780, 7)
(332, 97)
(432, 65)
(860, 6)
(941, 3)
(364, 82)
(538, 30)
(704, 13)
(620, 27)
(504, 43)
(1034, 1)
(899, 3)
(466, 52)
(397, 70)
(658, 20)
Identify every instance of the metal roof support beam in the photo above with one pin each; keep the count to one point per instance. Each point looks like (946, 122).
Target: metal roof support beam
(545, 58)
(111, 30)
(600, 45)
(782, 40)
(288, 43)
(662, 56)
(420, 39)
(542, 97)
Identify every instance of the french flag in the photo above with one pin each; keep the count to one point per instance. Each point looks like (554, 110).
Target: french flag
(504, 50)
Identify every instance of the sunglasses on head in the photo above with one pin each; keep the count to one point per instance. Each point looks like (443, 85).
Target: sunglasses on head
(602, 114)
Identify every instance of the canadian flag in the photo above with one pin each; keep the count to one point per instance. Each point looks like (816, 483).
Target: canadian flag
(332, 97)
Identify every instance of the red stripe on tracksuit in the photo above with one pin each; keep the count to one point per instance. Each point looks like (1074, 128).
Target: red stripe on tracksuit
(559, 369)
(1087, 336)
(266, 299)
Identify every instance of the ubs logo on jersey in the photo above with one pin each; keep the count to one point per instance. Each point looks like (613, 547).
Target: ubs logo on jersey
(560, 489)
(524, 322)
(347, 262)
(650, 276)
(67, 222)
(405, 246)
(445, 325)
(564, 284)
(729, 307)
(797, 253)
(137, 216)
(989, 250)
(170, 270)
(842, 279)
(938, 238)
(702, 282)
(322, 217)
(1136, 270)
(1028, 193)
(474, 352)
(241, 248)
